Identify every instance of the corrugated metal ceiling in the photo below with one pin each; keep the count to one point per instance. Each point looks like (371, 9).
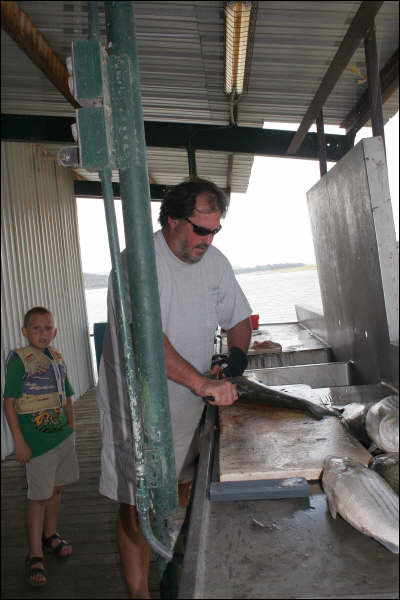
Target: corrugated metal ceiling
(181, 56)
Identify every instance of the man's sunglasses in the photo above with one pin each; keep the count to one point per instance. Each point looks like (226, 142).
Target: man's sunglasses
(203, 231)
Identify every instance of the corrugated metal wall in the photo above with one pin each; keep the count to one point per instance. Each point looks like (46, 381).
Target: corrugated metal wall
(40, 259)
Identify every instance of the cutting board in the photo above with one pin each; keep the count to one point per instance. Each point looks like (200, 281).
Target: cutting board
(265, 442)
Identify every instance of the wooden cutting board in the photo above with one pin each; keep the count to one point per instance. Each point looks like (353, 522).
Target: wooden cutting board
(265, 442)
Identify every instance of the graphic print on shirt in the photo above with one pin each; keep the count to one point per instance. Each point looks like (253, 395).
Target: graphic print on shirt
(48, 421)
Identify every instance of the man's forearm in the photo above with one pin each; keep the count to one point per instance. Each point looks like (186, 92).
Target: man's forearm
(240, 335)
(179, 370)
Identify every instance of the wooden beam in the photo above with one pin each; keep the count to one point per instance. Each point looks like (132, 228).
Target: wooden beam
(321, 144)
(19, 26)
(374, 84)
(360, 113)
(351, 41)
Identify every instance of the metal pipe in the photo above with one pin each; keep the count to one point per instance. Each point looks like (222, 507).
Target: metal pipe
(93, 19)
(142, 497)
(135, 195)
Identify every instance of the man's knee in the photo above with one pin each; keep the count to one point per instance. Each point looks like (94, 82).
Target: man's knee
(184, 491)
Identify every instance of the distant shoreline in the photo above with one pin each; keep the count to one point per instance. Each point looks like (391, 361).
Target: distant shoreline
(94, 281)
(275, 268)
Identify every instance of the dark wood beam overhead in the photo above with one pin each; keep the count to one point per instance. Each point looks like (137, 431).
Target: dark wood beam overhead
(323, 168)
(248, 140)
(19, 26)
(355, 35)
(374, 84)
(360, 114)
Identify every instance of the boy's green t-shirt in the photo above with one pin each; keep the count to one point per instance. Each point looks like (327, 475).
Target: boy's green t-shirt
(42, 430)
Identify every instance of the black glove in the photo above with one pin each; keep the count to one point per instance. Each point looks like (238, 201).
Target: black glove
(234, 364)
(219, 359)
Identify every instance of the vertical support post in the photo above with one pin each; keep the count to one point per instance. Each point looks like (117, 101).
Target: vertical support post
(321, 144)
(191, 159)
(142, 496)
(374, 84)
(135, 195)
(93, 15)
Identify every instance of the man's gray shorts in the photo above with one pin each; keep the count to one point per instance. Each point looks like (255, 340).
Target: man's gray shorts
(57, 467)
(117, 479)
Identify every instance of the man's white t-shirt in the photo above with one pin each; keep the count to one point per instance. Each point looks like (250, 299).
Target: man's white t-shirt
(194, 299)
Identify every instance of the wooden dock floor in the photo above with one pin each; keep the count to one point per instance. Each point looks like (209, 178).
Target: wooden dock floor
(87, 520)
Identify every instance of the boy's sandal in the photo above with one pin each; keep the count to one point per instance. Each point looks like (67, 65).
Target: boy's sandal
(48, 547)
(31, 570)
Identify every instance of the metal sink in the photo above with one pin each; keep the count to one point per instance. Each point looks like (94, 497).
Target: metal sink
(331, 381)
(319, 375)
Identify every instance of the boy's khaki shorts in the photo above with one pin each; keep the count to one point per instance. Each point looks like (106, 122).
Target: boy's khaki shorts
(57, 467)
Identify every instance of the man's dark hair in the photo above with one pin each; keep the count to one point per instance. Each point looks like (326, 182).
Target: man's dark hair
(180, 201)
(36, 310)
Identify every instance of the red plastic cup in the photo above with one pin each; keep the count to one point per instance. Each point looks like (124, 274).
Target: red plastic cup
(254, 321)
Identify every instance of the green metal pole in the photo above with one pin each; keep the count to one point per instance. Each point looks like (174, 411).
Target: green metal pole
(99, 151)
(135, 194)
(142, 497)
(93, 19)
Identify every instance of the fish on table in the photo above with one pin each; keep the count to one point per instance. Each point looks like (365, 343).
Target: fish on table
(254, 392)
(363, 498)
(387, 465)
(382, 423)
(353, 418)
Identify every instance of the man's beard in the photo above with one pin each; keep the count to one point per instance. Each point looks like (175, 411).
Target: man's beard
(186, 256)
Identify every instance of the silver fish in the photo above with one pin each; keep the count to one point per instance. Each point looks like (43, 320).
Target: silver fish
(382, 423)
(353, 418)
(254, 392)
(363, 498)
(387, 465)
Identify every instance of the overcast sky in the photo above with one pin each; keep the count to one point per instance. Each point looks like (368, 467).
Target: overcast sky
(269, 224)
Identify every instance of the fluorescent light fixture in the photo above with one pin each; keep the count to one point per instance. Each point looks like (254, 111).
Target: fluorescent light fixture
(237, 22)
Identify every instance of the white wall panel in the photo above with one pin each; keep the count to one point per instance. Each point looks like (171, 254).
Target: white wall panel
(40, 258)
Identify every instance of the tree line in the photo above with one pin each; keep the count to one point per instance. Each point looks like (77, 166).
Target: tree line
(273, 267)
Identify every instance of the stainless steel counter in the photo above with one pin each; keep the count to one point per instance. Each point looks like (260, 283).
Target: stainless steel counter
(299, 346)
(286, 548)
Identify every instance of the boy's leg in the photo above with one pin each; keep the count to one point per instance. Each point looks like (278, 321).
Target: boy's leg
(134, 551)
(36, 509)
(65, 471)
(51, 519)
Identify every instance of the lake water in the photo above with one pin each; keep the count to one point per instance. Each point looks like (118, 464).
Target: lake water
(271, 294)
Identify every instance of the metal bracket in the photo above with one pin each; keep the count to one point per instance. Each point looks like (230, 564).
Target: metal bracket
(153, 467)
(68, 156)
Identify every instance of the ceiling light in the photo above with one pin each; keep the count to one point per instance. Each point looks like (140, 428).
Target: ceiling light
(237, 27)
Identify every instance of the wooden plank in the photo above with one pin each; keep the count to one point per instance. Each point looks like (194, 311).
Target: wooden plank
(360, 113)
(355, 33)
(263, 442)
(87, 520)
(20, 27)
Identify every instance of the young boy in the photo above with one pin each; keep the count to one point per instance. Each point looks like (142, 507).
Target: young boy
(39, 410)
